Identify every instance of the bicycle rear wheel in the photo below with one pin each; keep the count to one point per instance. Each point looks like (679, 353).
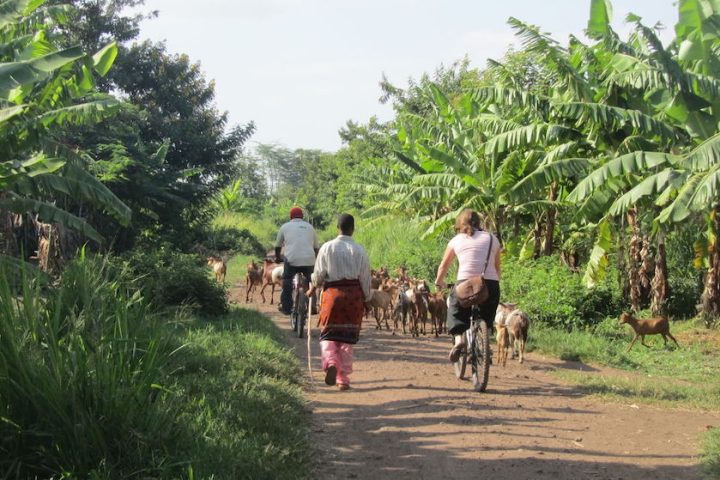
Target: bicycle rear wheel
(480, 357)
(302, 311)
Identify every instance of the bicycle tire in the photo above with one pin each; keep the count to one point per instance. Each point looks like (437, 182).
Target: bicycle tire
(480, 357)
(294, 310)
(461, 365)
(301, 309)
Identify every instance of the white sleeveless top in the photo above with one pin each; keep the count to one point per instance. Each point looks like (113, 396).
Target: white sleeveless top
(472, 252)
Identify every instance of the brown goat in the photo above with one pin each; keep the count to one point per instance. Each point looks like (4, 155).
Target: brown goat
(252, 280)
(503, 343)
(437, 306)
(219, 268)
(380, 302)
(647, 326)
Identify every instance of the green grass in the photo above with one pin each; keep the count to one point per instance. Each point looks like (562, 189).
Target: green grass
(650, 390)
(237, 269)
(711, 452)
(682, 377)
(242, 400)
(695, 361)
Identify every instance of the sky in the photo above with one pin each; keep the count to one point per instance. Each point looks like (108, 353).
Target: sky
(300, 69)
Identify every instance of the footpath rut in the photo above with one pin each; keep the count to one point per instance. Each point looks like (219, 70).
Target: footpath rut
(407, 416)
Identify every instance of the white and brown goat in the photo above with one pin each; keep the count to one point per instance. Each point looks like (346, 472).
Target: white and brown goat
(517, 323)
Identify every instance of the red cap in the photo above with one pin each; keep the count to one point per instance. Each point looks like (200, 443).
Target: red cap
(296, 212)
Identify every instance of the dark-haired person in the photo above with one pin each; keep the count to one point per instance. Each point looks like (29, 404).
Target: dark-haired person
(300, 243)
(470, 246)
(342, 268)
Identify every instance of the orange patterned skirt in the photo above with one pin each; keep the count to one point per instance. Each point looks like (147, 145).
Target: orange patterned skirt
(342, 310)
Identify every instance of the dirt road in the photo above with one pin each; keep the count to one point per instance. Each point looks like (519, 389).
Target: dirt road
(407, 416)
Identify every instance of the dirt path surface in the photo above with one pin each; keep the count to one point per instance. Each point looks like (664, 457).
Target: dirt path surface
(407, 416)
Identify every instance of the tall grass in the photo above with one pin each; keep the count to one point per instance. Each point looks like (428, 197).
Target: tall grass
(396, 242)
(80, 366)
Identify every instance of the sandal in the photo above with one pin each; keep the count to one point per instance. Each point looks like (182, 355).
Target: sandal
(331, 375)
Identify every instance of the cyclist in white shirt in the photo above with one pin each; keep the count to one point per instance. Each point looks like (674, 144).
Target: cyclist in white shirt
(300, 243)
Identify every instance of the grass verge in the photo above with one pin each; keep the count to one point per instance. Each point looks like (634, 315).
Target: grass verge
(711, 452)
(242, 400)
(660, 375)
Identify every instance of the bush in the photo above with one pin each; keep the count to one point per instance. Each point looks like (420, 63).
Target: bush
(684, 296)
(552, 294)
(233, 241)
(81, 366)
(171, 278)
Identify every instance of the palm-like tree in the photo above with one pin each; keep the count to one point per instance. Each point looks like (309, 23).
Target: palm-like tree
(43, 88)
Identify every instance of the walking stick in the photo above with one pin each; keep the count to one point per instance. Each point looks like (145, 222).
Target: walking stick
(309, 335)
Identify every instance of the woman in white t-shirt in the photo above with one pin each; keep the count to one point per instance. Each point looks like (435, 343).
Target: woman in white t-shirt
(470, 246)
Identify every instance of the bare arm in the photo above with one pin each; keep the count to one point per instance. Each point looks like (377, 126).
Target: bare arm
(279, 244)
(447, 260)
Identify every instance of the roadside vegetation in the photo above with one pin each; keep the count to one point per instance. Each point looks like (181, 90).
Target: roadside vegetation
(595, 163)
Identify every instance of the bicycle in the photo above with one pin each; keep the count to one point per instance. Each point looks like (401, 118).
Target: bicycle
(477, 340)
(299, 314)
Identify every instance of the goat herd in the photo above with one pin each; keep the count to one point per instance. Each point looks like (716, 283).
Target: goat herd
(406, 301)
(409, 303)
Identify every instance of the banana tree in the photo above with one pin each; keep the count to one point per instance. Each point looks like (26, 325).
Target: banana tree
(43, 88)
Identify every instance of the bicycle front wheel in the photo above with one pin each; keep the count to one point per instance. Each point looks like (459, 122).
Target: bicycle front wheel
(461, 364)
(480, 357)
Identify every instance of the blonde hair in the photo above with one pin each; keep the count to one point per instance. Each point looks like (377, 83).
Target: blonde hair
(467, 222)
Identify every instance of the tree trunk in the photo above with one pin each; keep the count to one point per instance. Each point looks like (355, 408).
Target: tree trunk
(550, 225)
(647, 267)
(711, 292)
(499, 222)
(8, 242)
(537, 238)
(623, 279)
(660, 288)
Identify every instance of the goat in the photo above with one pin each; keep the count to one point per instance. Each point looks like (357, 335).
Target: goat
(503, 343)
(647, 326)
(271, 276)
(419, 297)
(437, 306)
(252, 279)
(517, 323)
(380, 302)
(219, 268)
(403, 307)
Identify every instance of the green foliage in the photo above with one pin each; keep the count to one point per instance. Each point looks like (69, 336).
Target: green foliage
(171, 278)
(93, 384)
(45, 87)
(82, 365)
(262, 227)
(394, 242)
(233, 241)
(553, 295)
